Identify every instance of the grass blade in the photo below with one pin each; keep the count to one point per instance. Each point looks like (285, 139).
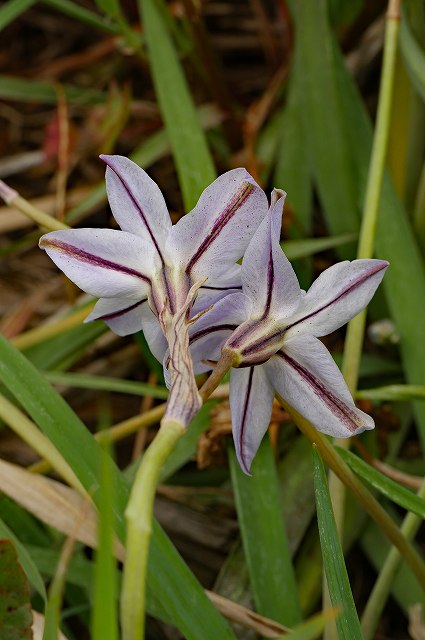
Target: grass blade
(348, 624)
(13, 9)
(392, 490)
(193, 160)
(170, 582)
(264, 537)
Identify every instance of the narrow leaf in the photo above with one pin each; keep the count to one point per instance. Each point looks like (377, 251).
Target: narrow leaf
(193, 160)
(348, 624)
(389, 488)
(264, 537)
(13, 9)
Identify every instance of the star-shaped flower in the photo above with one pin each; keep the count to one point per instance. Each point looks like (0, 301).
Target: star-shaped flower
(150, 265)
(270, 333)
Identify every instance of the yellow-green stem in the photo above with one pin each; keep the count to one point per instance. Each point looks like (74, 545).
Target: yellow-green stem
(356, 328)
(382, 586)
(139, 528)
(357, 488)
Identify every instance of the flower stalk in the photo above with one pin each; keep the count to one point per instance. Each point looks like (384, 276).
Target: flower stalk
(139, 528)
(357, 488)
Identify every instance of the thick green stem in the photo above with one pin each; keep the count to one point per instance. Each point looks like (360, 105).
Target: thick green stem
(139, 528)
(382, 587)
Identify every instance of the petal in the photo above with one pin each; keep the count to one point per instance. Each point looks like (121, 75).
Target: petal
(217, 288)
(251, 401)
(267, 275)
(136, 201)
(215, 234)
(306, 376)
(208, 334)
(338, 294)
(122, 315)
(103, 262)
(153, 333)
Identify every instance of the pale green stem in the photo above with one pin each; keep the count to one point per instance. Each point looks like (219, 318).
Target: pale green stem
(356, 328)
(139, 513)
(364, 497)
(13, 199)
(138, 516)
(382, 586)
(419, 211)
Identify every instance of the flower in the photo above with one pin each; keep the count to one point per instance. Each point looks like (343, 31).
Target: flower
(270, 332)
(143, 273)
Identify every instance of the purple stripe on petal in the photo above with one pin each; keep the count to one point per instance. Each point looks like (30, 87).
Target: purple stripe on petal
(224, 218)
(244, 421)
(109, 162)
(355, 284)
(207, 331)
(90, 258)
(340, 410)
(270, 285)
(221, 288)
(121, 312)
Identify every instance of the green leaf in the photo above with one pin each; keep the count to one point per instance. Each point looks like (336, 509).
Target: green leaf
(347, 623)
(413, 56)
(103, 383)
(81, 14)
(392, 490)
(24, 90)
(15, 605)
(264, 537)
(193, 160)
(395, 392)
(25, 560)
(295, 249)
(310, 629)
(324, 121)
(170, 582)
(104, 616)
(13, 9)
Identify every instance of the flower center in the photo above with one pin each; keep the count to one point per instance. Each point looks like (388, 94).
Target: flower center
(255, 342)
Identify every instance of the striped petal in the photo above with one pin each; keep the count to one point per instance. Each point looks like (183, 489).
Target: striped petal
(217, 288)
(102, 262)
(251, 401)
(267, 275)
(214, 235)
(136, 201)
(122, 315)
(338, 294)
(208, 334)
(306, 376)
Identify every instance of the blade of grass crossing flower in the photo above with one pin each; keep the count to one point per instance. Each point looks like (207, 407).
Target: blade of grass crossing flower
(347, 622)
(104, 619)
(264, 537)
(25, 560)
(13, 9)
(193, 160)
(170, 582)
(392, 490)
